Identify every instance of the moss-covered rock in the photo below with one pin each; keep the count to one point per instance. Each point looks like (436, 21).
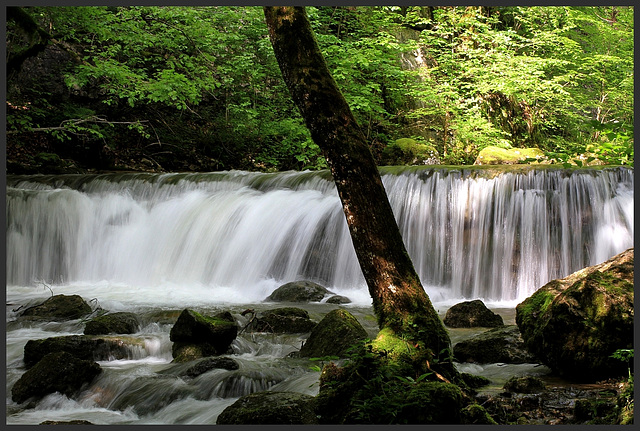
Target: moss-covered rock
(471, 314)
(286, 320)
(431, 403)
(334, 335)
(501, 156)
(58, 308)
(270, 408)
(113, 323)
(503, 344)
(474, 381)
(575, 324)
(407, 151)
(524, 385)
(476, 414)
(195, 336)
(299, 291)
(80, 346)
(55, 372)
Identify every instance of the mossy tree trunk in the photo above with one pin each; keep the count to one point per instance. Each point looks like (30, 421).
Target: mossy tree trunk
(400, 303)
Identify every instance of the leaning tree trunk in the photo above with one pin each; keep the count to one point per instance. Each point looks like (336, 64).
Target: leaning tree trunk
(401, 305)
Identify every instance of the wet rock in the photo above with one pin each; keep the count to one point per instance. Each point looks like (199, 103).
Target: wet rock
(281, 408)
(471, 314)
(334, 335)
(209, 364)
(195, 336)
(338, 299)
(299, 291)
(474, 381)
(55, 372)
(574, 324)
(524, 385)
(503, 344)
(73, 422)
(58, 308)
(476, 414)
(113, 323)
(287, 320)
(80, 346)
(149, 394)
(443, 402)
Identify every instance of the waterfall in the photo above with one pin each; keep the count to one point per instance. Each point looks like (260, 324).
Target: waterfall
(491, 233)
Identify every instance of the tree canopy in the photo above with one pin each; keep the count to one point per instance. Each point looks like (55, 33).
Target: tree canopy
(198, 87)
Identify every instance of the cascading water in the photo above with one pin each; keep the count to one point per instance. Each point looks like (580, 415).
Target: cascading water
(470, 233)
(155, 244)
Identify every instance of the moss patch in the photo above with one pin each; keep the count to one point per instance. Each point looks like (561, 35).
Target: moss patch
(497, 156)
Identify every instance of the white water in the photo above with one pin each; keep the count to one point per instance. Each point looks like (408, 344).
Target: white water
(235, 237)
(143, 243)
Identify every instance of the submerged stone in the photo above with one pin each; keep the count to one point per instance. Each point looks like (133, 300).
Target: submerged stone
(575, 324)
(209, 364)
(55, 372)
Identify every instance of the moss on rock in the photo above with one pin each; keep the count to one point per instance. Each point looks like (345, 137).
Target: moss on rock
(334, 335)
(492, 155)
(58, 308)
(270, 408)
(574, 324)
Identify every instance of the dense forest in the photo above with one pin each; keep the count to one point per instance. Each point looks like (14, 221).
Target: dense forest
(199, 88)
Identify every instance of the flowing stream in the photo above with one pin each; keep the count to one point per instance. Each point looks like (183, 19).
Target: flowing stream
(155, 244)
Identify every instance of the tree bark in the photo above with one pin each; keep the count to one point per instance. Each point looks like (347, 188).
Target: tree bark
(399, 300)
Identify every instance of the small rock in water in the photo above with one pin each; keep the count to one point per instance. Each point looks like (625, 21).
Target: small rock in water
(299, 291)
(338, 299)
(113, 323)
(471, 314)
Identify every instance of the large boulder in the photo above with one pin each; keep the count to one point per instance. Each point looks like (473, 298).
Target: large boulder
(334, 335)
(286, 320)
(113, 323)
(470, 314)
(299, 291)
(80, 346)
(270, 408)
(502, 156)
(502, 344)
(575, 324)
(195, 336)
(56, 372)
(58, 308)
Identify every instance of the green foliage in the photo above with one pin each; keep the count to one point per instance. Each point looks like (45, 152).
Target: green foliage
(460, 78)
